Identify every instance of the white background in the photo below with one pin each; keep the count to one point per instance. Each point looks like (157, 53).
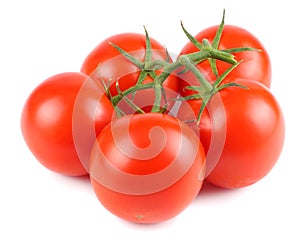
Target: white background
(43, 38)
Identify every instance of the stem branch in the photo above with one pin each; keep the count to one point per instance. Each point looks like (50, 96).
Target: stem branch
(206, 86)
(116, 99)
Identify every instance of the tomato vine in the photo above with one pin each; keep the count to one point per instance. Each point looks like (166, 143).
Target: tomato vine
(149, 67)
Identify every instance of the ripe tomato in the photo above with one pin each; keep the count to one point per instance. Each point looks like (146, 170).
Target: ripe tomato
(255, 66)
(106, 64)
(47, 121)
(147, 168)
(254, 133)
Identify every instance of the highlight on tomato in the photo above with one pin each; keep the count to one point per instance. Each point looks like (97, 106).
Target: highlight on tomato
(47, 121)
(147, 168)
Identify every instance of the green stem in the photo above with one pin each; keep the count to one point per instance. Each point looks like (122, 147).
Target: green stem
(129, 102)
(116, 99)
(149, 67)
(158, 97)
(161, 64)
(186, 60)
(158, 81)
(206, 86)
(208, 52)
(215, 53)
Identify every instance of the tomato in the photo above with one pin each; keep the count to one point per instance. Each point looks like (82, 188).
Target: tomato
(47, 121)
(147, 168)
(255, 65)
(106, 64)
(249, 131)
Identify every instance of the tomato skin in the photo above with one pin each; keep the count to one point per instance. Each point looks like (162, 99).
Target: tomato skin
(255, 130)
(153, 185)
(255, 65)
(46, 123)
(108, 65)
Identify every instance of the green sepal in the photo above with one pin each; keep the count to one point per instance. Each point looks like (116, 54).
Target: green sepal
(203, 106)
(129, 102)
(168, 57)
(231, 84)
(216, 41)
(132, 59)
(190, 97)
(142, 77)
(148, 54)
(215, 44)
(241, 49)
(219, 80)
(192, 39)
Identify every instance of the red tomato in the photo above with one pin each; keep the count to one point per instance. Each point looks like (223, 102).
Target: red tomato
(255, 66)
(147, 168)
(107, 64)
(249, 131)
(47, 121)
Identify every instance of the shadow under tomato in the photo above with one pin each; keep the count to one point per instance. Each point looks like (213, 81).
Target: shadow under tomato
(146, 226)
(209, 191)
(80, 183)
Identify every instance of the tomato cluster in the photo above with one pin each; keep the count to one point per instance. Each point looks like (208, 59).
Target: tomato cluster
(149, 130)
